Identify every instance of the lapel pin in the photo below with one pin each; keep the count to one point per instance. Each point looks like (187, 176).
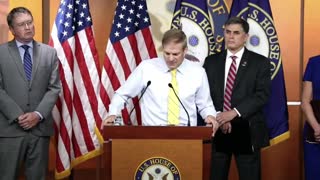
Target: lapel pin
(244, 63)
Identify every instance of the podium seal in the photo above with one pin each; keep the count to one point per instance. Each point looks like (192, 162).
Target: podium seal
(157, 168)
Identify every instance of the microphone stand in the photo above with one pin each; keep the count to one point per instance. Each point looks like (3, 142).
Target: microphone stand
(134, 106)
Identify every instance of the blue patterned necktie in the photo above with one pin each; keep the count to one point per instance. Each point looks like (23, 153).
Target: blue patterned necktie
(27, 63)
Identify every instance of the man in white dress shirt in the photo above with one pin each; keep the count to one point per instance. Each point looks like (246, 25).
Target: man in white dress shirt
(191, 78)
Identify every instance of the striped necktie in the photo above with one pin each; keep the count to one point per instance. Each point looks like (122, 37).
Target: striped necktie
(173, 102)
(27, 63)
(229, 85)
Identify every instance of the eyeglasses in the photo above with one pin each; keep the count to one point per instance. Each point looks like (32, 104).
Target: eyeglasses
(25, 24)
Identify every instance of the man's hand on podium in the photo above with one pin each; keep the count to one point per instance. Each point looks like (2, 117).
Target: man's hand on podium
(109, 121)
(211, 121)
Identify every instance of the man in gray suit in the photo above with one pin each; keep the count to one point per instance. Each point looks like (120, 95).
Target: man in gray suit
(29, 87)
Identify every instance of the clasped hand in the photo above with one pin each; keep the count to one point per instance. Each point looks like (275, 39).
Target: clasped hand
(28, 120)
(224, 120)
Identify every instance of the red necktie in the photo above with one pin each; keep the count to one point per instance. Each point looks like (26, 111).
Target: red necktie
(229, 85)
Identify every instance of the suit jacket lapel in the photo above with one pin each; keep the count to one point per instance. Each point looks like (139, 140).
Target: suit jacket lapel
(242, 67)
(14, 52)
(221, 73)
(36, 58)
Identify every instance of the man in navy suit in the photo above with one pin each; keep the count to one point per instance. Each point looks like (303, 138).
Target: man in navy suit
(239, 96)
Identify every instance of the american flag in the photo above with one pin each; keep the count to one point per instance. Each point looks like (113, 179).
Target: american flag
(78, 112)
(129, 43)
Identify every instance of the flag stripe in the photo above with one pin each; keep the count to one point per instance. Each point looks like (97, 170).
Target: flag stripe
(137, 111)
(113, 76)
(106, 100)
(82, 120)
(122, 59)
(152, 53)
(135, 51)
(117, 68)
(86, 77)
(63, 133)
(129, 53)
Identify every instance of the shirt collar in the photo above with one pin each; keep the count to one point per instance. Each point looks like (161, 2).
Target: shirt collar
(238, 54)
(19, 44)
(180, 68)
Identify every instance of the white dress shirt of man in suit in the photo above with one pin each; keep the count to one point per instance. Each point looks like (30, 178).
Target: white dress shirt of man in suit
(25, 104)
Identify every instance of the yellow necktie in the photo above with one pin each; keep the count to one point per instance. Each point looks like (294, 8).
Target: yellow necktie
(173, 102)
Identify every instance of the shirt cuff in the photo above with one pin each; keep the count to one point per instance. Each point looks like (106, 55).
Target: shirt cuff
(237, 112)
(41, 117)
(208, 111)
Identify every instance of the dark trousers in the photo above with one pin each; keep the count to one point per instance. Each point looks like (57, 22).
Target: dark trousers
(248, 165)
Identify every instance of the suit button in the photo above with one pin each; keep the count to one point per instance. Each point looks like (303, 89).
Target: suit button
(29, 89)
(28, 104)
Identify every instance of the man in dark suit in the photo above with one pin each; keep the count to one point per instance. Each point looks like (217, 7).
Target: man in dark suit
(239, 82)
(29, 87)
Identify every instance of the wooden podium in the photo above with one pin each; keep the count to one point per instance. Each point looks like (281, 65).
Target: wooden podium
(127, 148)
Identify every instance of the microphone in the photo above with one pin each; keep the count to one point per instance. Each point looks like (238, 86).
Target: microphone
(142, 93)
(170, 86)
